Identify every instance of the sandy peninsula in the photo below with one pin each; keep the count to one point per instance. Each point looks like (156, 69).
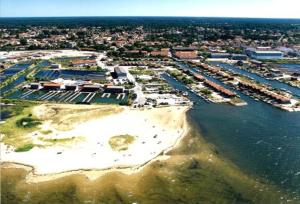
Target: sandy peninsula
(87, 137)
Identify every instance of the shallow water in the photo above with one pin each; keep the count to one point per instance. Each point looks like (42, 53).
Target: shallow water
(258, 137)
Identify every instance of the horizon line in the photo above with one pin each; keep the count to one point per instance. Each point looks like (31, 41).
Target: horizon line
(149, 17)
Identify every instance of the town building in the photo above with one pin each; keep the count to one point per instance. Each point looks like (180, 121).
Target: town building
(120, 72)
(114, 89)
(220, 55)
(160, 53)
(90, 88)
(55, 66)
(82, 63)
(267, 54)
(264, 53)
(185, 52)
(238, 57)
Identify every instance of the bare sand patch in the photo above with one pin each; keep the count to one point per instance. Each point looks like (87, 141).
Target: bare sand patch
(155, 131)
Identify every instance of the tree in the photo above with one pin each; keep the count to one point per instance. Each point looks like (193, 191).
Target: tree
(23, 41)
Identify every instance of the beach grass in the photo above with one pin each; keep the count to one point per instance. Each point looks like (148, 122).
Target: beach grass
(19, 125)
(24, 148)
(66, 117)
(46, 132)
(121, 142)
(54, 141)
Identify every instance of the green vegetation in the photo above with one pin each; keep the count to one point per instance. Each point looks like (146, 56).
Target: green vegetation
(46, 132)
(206, 91)
(121, 142)
(24, 148)
(15, 76)
(27, 122)
(281, 61)
(65, 62)
(181, 77)
(60, 140)
(19, 124)
(29, 72)
(141, 71)
(236, 100)
(129, 100)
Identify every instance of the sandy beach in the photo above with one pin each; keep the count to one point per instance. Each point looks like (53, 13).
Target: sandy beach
(154, 130)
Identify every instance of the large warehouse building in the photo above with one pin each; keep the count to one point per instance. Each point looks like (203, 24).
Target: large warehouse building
(264, 54)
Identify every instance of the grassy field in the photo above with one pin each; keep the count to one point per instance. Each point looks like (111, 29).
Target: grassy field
(20, 124)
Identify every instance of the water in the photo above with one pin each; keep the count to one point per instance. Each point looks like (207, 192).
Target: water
(276, 84)
(4, 114)
(206, 76)
(70, 74)
(22, 78)
(259, 138)
(290, 67)
(65, 97)
(13, 84)
(14, 70)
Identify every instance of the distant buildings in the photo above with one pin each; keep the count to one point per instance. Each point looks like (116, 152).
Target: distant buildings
(267, 55)
(160, 53)
(220, 55)
(238, 57)
(264, 53)
(185, 52)
(55, 66)
(91, 88)
(82, 63)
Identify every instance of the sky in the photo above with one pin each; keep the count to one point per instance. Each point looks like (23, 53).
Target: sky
(203, 8)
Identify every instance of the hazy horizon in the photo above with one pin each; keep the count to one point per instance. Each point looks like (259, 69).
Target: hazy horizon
(155, 8)
(229, 17)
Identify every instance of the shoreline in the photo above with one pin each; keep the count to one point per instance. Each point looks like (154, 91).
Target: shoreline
(167, 168)
(94, 173)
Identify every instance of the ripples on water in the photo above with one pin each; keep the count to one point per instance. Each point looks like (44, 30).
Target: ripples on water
(259, 138)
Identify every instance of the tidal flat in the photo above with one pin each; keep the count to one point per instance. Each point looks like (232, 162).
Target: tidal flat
(193, 173)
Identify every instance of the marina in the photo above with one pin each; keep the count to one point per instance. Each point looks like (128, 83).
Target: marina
(69, 96)
(276, 84)
(260, 91)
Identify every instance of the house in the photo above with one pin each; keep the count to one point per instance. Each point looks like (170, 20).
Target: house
(160, 53)
(34, 86)
(238, 57)
(51, 86)
(220, 55)
(82, 63)
(90, 88)
(185, 52)
(70, 87)
(55, 66)
(114, 89)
